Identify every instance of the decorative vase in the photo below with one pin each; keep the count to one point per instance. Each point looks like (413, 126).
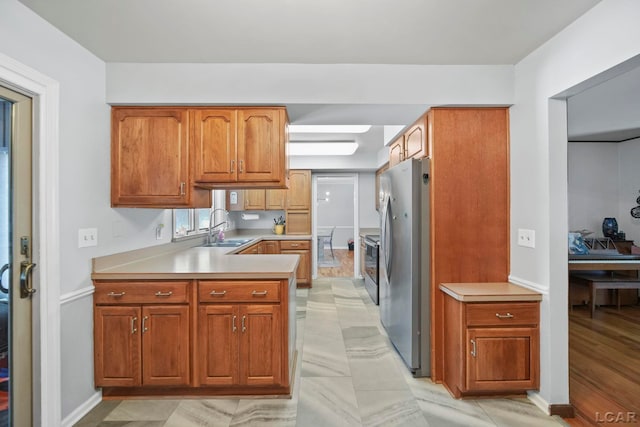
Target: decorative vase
(610, 227)
(278, 229)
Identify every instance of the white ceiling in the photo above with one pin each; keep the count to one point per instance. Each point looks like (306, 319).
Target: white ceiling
(311, 31)
(435, 32)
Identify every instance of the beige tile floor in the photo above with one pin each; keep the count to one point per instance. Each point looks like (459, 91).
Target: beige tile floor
(348, 374)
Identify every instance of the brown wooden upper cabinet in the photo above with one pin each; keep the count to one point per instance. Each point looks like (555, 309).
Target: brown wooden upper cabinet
(411, 143)
(240, 147)
(150, 159)
(299, 196)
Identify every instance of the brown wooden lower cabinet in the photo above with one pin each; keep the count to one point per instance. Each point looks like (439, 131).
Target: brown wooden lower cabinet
(491, 348)
(131, 342)
(302, 248)
(240, 344)
(208, 337)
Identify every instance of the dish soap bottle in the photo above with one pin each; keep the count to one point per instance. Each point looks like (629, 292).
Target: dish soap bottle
(221, 235)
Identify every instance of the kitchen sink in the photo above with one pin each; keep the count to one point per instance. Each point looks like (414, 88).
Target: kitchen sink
(227, 243)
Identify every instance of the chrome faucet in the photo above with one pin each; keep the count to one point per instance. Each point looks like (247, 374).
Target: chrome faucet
(212, 239)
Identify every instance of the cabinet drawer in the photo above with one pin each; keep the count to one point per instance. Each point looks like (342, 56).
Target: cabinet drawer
(141, 292)
(227, 290)
(294, 244)
(501, 314)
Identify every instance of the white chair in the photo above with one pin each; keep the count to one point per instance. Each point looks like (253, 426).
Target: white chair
(329, 240)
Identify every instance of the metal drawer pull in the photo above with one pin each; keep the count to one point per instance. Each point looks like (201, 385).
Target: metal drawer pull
(115, 294)
(164, 294)
(133, 325)
(233, 324)
(294, 245)
(259, 292)
(504, 316)
(217, 293)
(144, 324)
(244, 328)
(473, 348)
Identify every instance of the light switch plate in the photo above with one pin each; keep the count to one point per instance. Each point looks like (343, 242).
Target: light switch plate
(526, 238)
(87, 237)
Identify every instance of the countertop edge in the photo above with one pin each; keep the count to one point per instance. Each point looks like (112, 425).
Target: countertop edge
(514, 293)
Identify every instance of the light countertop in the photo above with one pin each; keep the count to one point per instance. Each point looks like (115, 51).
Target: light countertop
(187, 260)
(489, 292)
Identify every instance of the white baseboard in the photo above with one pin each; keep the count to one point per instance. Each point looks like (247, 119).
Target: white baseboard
(82, 410)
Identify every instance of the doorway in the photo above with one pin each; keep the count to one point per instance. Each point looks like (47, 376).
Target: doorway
(335, 225)
(15, 258)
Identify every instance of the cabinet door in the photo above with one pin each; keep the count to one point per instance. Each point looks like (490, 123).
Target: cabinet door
(303, 272)
(299, 193)
(298, 222)
(149, 157)
(502, 359)
(254, 200)
(260, 344)
(165, 345)
(276, 200)
(396, 152)
(253, 249)
(378, 194)
(218, 344)
(213, 134)
(415, 140)
(261, 145)
(117, 346)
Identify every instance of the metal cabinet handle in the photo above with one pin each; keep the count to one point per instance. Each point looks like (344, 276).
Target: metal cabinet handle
(259, 293)
(182, 186)
(217, 293)
(164, 294)
(504, 316)
(244, 328)
(233, 166)
(294, 245)
(26, 290)
(133, 325)
(233, 324)
(144, 324)
(473, 348)
(116, 294)
(241, 163)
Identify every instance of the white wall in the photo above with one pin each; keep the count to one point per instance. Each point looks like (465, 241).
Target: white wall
(629, 189)
(84, 181)
(604, 181)
(604, 37)
(337, 211)
(594, 176)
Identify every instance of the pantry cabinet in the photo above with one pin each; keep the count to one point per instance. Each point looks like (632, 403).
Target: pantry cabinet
(240, 147)
(133, 324)
(150, 159)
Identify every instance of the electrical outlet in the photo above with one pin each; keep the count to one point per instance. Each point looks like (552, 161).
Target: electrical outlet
(526, 238)
(87, 237)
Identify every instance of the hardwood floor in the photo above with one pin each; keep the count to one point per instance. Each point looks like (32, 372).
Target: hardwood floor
(344, 267)
(604, 366)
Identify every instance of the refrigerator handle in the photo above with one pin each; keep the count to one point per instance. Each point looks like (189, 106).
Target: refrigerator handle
(387, 237)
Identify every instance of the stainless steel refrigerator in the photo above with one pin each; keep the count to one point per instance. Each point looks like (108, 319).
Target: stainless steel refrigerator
(404, 262)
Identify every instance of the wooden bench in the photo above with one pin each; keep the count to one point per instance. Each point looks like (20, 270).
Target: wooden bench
(611, 280)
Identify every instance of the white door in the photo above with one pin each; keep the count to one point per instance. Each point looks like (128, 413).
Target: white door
(15, 259)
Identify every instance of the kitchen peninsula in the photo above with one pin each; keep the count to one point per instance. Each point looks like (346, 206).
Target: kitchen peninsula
(185, 320)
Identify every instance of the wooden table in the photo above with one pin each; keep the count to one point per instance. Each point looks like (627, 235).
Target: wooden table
(609, 263)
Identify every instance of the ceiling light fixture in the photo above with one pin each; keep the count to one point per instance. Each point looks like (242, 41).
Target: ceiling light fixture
(344, 148)
(329, 128)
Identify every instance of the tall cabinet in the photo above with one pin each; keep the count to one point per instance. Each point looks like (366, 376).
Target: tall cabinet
(469, 199)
